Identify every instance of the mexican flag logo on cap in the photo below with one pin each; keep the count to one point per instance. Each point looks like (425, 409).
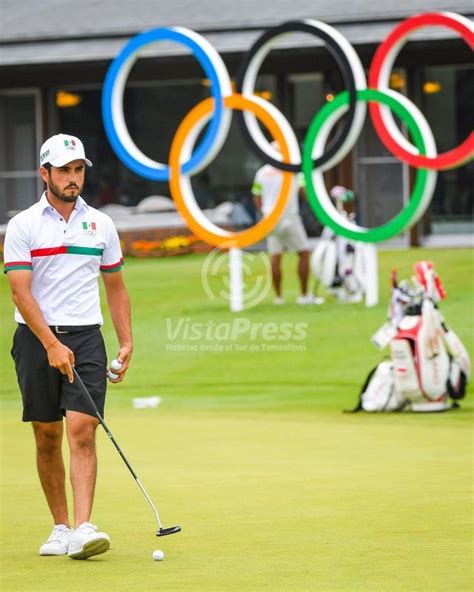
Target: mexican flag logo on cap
(89, 228)
(70, 144)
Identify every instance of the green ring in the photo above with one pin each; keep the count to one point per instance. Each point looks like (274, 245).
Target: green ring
(403, 219)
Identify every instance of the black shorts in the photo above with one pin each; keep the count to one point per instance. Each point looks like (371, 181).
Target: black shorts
(47, 394)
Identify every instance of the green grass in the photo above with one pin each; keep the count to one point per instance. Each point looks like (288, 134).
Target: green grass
(276, 488)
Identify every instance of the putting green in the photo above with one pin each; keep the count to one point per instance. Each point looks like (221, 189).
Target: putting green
(274, 487)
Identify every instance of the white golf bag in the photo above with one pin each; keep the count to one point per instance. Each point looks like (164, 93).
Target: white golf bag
(340, 267)
(429, 366)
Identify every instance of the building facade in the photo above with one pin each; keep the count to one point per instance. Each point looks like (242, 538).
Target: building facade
(54, 57)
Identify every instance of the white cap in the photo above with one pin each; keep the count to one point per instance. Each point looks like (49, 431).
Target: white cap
(61, 149)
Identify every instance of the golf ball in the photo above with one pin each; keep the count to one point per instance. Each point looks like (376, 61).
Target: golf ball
(158, 555)
(115, 365)
(111, 375)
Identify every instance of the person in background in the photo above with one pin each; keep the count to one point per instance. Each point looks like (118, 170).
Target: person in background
(289, 234)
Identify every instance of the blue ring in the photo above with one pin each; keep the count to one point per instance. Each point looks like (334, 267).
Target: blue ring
(201, 56)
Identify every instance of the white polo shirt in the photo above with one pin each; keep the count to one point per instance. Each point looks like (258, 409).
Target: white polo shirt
(267, 184)
(65, 259)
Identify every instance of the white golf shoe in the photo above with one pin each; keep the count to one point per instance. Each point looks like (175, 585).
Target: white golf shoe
(58, 542)
(85, 542)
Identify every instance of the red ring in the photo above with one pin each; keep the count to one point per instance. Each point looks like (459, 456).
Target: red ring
(448, 159)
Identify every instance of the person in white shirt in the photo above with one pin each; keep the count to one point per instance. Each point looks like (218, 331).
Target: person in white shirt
(54, 253)
(289, 234)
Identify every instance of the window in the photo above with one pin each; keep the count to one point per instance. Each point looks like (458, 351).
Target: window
(20, 135)
(381, 180)
(153, 112)
(446, 101)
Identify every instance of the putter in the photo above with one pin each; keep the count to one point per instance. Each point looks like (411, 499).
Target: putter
(161, 531)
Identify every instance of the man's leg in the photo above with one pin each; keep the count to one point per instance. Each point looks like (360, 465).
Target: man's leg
(303, 271)
(276, 273)
(49, 461)
(85, 541)
(83, 466)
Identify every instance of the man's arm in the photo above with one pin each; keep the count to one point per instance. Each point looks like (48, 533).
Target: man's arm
(257, 194)
(302, 194)
(59, 356)
(257, 200)
(119, 306)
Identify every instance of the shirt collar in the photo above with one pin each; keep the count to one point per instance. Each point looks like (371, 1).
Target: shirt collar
(44, 203)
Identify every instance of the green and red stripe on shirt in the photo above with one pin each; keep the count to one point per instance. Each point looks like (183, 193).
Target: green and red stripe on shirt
(11, 265)
(63, 250)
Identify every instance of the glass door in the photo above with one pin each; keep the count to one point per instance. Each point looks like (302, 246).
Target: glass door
(382, 182)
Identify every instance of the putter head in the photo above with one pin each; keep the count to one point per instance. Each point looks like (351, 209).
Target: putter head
(167, 531)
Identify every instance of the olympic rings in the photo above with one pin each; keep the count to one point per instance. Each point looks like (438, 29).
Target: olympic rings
(318, 197)
(183, 162)
(112, 102)
(379, 77)
(353, 76)
(180, 184)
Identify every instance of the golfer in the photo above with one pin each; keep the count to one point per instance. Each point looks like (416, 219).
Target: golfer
(54, 252)
(289, 234)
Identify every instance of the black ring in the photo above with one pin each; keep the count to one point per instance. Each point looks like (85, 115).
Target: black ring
(347, 75)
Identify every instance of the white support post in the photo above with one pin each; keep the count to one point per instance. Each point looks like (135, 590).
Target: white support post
(236, 285)
(372, 275)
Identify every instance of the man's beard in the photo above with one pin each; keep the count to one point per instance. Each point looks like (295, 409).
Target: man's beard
(62, 195)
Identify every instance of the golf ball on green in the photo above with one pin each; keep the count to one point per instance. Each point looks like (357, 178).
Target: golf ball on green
(158, 555)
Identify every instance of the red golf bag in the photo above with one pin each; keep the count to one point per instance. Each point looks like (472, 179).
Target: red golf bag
(429, 366)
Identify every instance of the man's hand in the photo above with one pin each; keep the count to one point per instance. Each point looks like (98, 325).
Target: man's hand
(59, 356)
(119, 306)
(62, 358)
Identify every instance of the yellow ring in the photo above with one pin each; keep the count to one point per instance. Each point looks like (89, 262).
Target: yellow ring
(223, 238)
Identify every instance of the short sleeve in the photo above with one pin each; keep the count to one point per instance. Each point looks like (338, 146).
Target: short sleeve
(112, 258)
(16, 249)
